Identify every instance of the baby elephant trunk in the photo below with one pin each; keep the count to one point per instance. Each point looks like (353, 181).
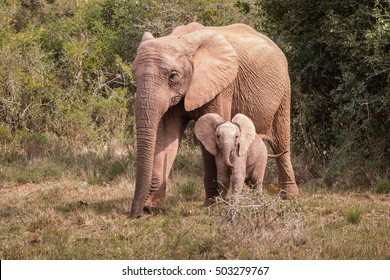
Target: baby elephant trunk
(227, 152)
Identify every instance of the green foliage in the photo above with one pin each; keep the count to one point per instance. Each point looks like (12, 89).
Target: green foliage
(65, 68)
(58, 69)
(65, 65)
(339, 59)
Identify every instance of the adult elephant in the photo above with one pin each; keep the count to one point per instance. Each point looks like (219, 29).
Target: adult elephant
(197, 70)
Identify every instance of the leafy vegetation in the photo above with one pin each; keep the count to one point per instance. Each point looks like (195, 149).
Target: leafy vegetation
(339, 59)
(65, 68)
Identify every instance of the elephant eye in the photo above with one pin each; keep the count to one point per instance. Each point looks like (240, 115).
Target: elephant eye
(173, 77)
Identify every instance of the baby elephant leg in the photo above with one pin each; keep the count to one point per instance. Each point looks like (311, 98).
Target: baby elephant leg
(256, 177)
(253, 183)
(238, 177)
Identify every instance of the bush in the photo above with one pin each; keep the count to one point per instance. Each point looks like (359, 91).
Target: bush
(339, 65)
(65, 66)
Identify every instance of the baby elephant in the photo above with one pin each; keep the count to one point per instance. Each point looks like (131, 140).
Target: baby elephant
(239, 152)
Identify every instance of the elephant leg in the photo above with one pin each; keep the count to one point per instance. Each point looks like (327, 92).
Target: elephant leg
(288, 186)
(280, 142)
(259, 171)
(169, 135)
(238, 177)
(255, 180)
(210, 180)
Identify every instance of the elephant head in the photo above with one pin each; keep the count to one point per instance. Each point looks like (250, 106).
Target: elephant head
(191, 68)
(229, 139)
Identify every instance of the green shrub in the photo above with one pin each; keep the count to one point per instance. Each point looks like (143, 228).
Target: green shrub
(338, 57)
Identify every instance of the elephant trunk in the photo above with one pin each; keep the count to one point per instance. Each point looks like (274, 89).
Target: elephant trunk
(227, 152)
(147, 120)
(146, 141)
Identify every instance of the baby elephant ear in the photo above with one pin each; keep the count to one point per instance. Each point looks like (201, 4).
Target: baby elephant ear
(147, 36)
(204, 131)
(248, 132)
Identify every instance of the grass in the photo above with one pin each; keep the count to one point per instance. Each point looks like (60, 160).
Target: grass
(188, 189)
(38, 158)
(66, 214)
(353, 216)
(71, 219)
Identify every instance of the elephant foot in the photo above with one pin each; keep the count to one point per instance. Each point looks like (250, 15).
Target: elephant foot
(153, 206)
(154, 210)
(289, 191)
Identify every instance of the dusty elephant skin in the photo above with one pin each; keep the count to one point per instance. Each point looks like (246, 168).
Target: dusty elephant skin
(241, 155)
(198, 70)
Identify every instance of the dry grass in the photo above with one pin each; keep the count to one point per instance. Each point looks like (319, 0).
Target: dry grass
(75, 206)
(71, 219)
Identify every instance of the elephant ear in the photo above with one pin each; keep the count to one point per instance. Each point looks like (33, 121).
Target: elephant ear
(248, 133)
(215, 65)
(204, 131)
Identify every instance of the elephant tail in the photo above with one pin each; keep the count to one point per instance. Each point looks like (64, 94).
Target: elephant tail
(277, 155)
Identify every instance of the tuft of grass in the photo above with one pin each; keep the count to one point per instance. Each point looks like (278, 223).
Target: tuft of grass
(382, 186)
(188, 189)
(103, 170)
(309, 189)
(353, 216)
(188, 161)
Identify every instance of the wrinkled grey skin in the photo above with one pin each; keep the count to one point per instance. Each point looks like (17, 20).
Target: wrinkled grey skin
(240, 155)
(197, 70)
